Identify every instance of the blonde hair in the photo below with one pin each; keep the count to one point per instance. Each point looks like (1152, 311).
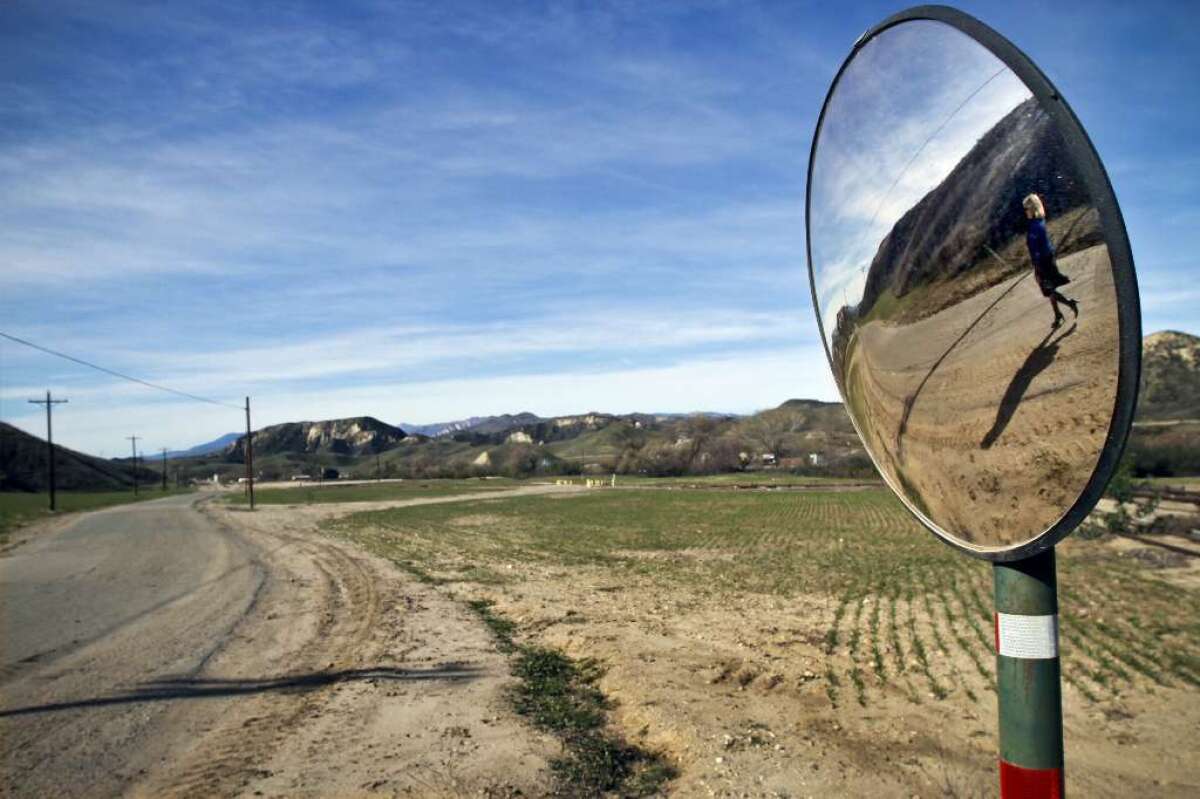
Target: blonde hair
(1034, 203)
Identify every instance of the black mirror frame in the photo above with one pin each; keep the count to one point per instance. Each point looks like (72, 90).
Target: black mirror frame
(1129, 317)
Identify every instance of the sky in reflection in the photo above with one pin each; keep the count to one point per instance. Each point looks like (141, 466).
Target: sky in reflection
(911, 104)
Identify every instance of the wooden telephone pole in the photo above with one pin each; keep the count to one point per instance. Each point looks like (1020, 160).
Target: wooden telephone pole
(249, 455)
(164, 454)
(134, 440)
(49, 403)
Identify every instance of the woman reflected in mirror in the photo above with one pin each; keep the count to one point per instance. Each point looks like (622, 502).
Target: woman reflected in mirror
(1041, 252)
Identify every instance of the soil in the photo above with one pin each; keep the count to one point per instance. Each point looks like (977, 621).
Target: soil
(735, 692)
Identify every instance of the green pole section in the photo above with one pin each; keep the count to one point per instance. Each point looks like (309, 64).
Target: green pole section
(1028, 678)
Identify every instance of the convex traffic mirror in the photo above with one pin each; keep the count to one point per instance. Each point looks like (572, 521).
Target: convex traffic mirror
(973, 284)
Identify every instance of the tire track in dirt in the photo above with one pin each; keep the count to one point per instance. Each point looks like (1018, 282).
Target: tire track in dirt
(383, 685)
(229, 756)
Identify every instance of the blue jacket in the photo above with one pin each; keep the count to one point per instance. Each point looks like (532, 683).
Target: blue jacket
(1040, 248)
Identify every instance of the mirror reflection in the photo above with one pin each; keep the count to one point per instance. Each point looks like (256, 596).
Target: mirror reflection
(963, 286)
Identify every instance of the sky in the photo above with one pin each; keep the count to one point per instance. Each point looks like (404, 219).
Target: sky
(426, 211)
(911, 105)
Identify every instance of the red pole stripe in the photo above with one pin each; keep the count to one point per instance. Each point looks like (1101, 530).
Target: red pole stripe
(1030, 783)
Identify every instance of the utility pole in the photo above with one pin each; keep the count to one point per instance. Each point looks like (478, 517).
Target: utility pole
(49, 403)
(164, 454)
(249, 456)
(133, 440)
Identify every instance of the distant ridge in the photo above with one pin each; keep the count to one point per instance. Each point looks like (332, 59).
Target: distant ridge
(486, 424)
(208, 448)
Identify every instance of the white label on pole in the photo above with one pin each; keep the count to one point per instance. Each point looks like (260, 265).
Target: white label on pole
(1029, 637)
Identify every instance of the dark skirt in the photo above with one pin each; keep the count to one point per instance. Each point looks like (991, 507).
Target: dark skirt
(1048, 277)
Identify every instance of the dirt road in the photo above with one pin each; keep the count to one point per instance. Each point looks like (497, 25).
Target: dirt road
(180, 648)
(988, 419)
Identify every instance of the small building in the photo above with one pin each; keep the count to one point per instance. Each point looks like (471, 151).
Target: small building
(768, 459)
(816, 459)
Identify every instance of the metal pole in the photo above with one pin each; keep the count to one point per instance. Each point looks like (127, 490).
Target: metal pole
(249, 455)
(1028, 679)
(133, 442)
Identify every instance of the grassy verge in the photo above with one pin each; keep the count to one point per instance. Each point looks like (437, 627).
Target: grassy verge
(17, 509)
(559, 695)
(370, 492)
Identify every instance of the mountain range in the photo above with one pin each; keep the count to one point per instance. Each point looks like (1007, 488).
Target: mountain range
(801, 433)
(216, 445)
(481, 423)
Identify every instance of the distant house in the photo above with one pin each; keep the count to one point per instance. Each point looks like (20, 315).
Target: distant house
(816, 459)
(768, 458)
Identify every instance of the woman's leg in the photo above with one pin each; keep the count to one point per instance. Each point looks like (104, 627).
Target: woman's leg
(1058, 317)
(1057, 297)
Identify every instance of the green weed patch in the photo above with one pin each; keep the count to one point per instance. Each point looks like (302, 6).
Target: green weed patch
(559, 695)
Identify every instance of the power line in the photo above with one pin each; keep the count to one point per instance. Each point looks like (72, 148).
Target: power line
(118, 374)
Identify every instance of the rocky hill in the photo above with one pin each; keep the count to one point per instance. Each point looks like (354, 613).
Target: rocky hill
(1170, 377)
(23, 466)
(360, 435)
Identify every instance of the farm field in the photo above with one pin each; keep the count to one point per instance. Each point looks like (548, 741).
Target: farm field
(20, 508)
(816, 642)
(764, 479)
(333, 492)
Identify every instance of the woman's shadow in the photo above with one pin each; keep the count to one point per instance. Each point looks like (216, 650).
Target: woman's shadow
(1042, 356)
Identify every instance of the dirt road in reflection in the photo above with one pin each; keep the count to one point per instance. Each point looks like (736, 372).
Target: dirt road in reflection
(985, 416)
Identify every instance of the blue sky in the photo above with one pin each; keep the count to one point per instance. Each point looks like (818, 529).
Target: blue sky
(422, 211)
